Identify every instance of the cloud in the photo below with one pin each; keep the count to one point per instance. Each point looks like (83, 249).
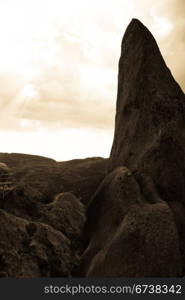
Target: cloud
(174, 11)
(59, 59)
(166, 20)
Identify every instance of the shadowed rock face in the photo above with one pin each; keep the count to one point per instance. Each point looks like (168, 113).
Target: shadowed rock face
(66, 214)
(131, 231)
(149, 125)
(33, 249)
(41, 218)
(49, 248)
(135, 222)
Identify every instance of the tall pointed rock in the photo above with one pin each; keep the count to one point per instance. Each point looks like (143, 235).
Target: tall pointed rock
(150, 115)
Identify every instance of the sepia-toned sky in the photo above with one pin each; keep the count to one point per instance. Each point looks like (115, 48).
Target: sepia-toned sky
(58, 70)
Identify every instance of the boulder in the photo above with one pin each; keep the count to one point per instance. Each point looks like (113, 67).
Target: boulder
(130, 231)
(66, 214)
(145, 245)
(33, 249)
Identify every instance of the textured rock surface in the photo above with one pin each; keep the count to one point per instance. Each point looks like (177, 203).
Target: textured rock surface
(49, 248)
(33, 249)
(131, 232)
(135, 223)
(39, 180)
(150, 115)
(66, 214)
(38, 237)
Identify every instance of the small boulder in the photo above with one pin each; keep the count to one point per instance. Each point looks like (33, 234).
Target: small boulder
(66, 214)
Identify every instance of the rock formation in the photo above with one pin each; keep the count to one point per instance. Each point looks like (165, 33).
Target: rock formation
(131, 234)
(41, 224)
(49, 248)
(33, 249)
(150, 114)
(133, 203)
(66, 214)
(135, 222)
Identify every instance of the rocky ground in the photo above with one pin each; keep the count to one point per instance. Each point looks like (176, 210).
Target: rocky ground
(42, 215)
(122, 216)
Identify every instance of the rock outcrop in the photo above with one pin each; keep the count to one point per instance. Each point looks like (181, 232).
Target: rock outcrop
(42, 216)
(135, 222)
(49, 248)
(131, 232)
(33, 249)
(66, 214)
(150, 115)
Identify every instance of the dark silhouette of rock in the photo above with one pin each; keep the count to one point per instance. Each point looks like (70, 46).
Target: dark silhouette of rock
(131, 233)
(130, 230)
(178, 210)
(149, 125)
(38, 180)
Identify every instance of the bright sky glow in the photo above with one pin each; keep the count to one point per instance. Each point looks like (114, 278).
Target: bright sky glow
(58, 70)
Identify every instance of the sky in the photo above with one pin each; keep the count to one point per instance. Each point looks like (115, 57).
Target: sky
(59, 66)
